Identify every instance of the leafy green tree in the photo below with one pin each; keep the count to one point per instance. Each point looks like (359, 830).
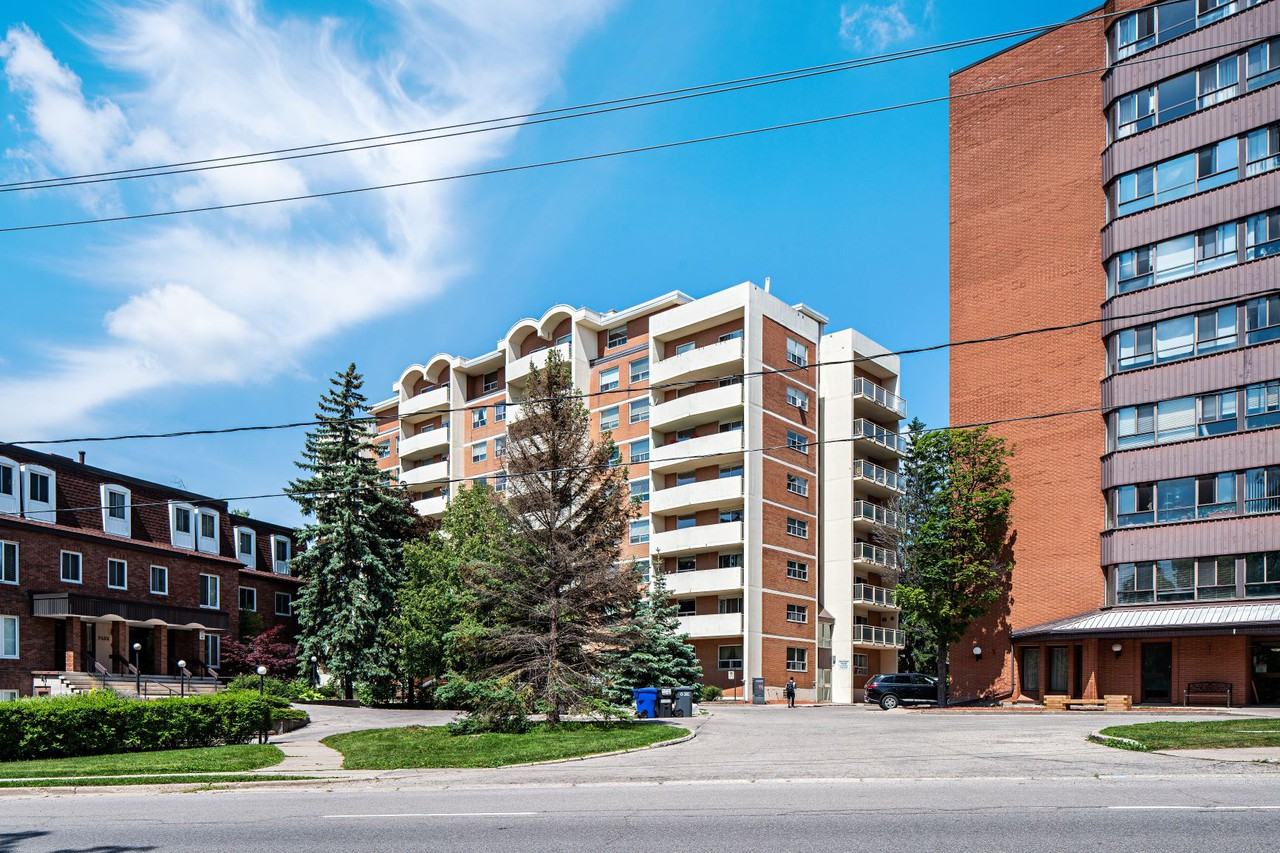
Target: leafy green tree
(661, 655)
(956, 546)
(352, 564)
(555, 604)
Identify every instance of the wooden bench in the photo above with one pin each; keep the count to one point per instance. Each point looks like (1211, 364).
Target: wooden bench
(1110, 702)
(1207, 688)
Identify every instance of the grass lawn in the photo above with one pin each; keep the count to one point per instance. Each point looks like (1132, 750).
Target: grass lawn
(433, 746)
(99, 781)
(213, 759)
(1217, 734)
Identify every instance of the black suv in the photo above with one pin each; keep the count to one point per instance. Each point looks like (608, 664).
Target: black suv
(901, 688)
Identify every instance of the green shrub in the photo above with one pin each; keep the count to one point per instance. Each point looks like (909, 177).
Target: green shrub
(101, 722)
(709, 693)
(278, 714)
(277, 687)
(493, 705)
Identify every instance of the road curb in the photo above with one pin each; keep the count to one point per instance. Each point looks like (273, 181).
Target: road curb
(1117, 742)
(690, 735)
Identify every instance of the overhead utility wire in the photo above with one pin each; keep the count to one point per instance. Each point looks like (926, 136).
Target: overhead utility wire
(1005, 336)
(501, 170)
(572, 468)
(576, 111)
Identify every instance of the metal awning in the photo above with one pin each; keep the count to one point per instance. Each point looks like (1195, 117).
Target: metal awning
(1199, 619)
(59, 605)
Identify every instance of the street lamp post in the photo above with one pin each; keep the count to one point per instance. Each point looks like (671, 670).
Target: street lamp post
(315, 676)
(182, 679)
(262, 680)
(137, 668)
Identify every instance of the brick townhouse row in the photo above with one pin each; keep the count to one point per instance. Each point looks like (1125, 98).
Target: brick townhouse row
(1145, 198)
(93, 562)
(719, 410)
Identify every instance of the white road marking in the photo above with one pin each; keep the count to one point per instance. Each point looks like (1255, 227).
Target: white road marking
(1194, 808)
(432, 814)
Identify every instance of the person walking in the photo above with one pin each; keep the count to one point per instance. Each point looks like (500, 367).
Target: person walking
(790, 691)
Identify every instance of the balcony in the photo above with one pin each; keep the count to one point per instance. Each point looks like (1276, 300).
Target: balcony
(887, 404)
(872, 479)
(871, 636)
(715, 449)
(424, 444)
(519, 368)
(874, 558)
(711, 625)
(417, 479)
(873, 440)
(866, 514)
(874, 597)
(701, 407)
(431, 507)
(421, 406)
(716, 359)
(726, 491)
(704, 582)
(690, 540)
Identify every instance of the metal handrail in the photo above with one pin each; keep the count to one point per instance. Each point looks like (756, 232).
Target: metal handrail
(867, 470)
(877, 513)
(878, 636)
(867, 553)
(863, 428)
(872, 594)
(879, 395)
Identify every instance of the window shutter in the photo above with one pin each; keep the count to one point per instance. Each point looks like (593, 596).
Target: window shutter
(1176, 418)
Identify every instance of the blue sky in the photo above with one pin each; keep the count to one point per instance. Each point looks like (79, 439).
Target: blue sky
(227, 319)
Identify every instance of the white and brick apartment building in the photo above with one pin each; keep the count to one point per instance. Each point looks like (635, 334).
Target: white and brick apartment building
(763, 521)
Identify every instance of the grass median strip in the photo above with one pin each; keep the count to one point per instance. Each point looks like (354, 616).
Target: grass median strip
(433, 746)
(213, 759)
(1214, 734)
(100, 781)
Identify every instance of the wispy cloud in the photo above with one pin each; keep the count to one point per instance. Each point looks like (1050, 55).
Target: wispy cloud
(880, 25)
(228, 297)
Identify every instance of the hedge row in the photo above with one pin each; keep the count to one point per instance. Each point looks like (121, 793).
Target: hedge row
(101, 722)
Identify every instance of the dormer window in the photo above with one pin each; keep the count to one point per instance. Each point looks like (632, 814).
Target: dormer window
(281, 552)
(182, 526)
(207, 534)
(116, 504)
(38, 493)
(9, 479)
(247, 547)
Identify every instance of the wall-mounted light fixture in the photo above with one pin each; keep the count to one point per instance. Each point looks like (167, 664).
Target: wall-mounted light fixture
(1117, 648)
(977, 652)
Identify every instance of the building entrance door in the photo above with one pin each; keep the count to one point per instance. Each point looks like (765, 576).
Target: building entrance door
(1157, 672)
(1058, 669)
(1266, 673)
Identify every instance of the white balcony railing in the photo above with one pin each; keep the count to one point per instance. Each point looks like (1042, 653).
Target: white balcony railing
(869, 472)
(425, 403)
(884, 638)
(519, 368)
(700, 407)
(431, 507)
(689, 540)
(696, 496)
(425, 475)
(703, 582)
(715, 359)
(867, 431)
(867, 511)
(698, 452)
(871, 555)
(875, 597)
(424, 444)
(711, 625)
(865, 389)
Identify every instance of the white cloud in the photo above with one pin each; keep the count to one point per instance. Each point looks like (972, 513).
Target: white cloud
(878, 26)
(238, 296)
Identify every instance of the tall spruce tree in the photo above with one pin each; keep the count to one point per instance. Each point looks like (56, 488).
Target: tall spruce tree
(352, 564)
(555, 604)
(660, 656)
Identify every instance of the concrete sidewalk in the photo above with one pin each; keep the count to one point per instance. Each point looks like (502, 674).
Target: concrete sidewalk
(304, 753)
(1251, 754)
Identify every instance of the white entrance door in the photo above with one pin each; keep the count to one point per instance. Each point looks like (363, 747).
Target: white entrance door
(102, 643)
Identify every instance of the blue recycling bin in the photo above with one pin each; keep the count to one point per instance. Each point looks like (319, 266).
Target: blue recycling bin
(646, 702)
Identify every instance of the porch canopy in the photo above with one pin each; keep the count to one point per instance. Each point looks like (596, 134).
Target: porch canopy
(1183, 620)
(60, 605)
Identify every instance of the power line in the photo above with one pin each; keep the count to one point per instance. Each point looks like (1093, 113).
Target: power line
(1005, 336)
(643, 149)
(538, 117)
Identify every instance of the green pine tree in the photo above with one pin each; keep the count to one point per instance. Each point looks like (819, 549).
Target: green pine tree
(352, 564)
(661, 655)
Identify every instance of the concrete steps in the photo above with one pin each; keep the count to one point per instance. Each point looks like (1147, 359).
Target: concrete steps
(153, 686)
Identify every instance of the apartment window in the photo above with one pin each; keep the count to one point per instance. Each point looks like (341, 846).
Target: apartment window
(686, 478)
(615, 456)
(796, 441)
(212, 650)
(281, 552)
(9, 647)
(797, 353)
(685, 434)
(643, 569)
(797, 485)
(1135, 426)
(639, 532)
(1262, 235)
(479, 417)
(210, 591)
(686, 564)
(797, 570)
(1262, 489)
(115, 510)
(1217, 81)
(1175, 580)
(207, 540)
(500, 483)
(159, 580)
(639, 411)
(1262, 64)
(729, 605)
(730, 336)
(382, 449)
(684, 522)
(797, 527)
(499, 412)
(730, 426)
(797, 660)
(1262, 319)
(500, 447)
(686, 607)
(480, 451)
(284, 604)
(248, 598)
(797, 398)
(640, 490)
(1132, 270)
(1176, 419)
(1209, 167)
(247, 546)
(489, 382)
(609, 418)
(1262, 405)
(1135, 111)
(38, 487)
(729, 516)
(797, 613)
(9, 562)
(1135, 583)
(1262, 575)
(639, 370)
(1135, 505)
(617, 337)
(609, 379)
(1216, 578)
(9, 696)
(1135, 32)
(640, 450)
(726, 381)
(1261, 150)
(1176, 338)
(117, 574)
(1215, 495)
(8, 476)
(71, 567)
(1217, 414)
(729, 657)
(1176, 499)
(687, 346)
(727, 471)
(729, 561)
